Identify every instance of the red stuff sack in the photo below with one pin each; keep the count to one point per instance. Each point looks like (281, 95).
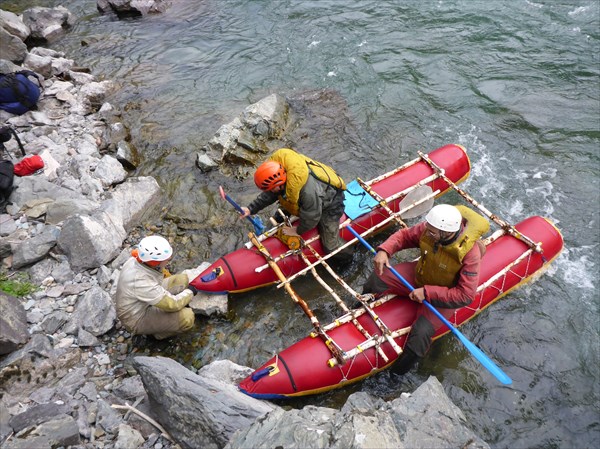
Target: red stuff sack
(29, 165)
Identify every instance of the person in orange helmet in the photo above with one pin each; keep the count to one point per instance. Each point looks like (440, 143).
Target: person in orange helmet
(308, 189)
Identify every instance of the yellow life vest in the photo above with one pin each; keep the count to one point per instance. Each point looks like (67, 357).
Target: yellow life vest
(298, 168)
(440, 265)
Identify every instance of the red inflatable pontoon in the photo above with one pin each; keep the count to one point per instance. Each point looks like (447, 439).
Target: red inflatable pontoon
(236, 271)
(306, 367)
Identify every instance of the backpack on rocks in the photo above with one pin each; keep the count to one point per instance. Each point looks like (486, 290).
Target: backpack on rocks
(18, 94)
(7, 168)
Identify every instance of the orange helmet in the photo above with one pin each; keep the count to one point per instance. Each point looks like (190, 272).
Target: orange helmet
(269, 174)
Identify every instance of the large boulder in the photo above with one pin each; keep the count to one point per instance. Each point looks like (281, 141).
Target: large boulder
(426, 419)
(91, 241)
(47, 24)
(197, 411)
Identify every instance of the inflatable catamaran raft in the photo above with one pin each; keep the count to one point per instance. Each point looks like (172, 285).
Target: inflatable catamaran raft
(246, 269)
(366, 340)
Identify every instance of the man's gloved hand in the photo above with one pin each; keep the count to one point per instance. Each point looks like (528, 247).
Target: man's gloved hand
(193, 289)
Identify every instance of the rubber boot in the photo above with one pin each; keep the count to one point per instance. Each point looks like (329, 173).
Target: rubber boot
(405, 362)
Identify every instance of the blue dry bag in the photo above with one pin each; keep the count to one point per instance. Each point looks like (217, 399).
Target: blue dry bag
(18, 94)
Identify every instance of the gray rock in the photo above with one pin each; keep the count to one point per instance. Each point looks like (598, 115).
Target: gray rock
(310, 427)
(36, 415)
(13, 324)
(47, 23)
(127, 155)
(141, 7)
(426, 419)
(205, 163)
(35, 248)
(196, 411)
(128, 437)
(39, 271)
(60, 210)
(91, 241)
(5, 248)
(14, 25)
(86, 339)
(225, 371)
(95, 313)
(108, 418)
(39, 64)
(61, 431)
(103, 276)
(7, 225)
(54, 321)
(72, 381)
(133, 200)
(208, 305)
(110, 171)
(89, 391)
(431, 420)
(130, 388)
(11, 47)
(5, 429)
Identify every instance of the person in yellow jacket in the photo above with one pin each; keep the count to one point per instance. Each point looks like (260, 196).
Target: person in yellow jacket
(308, 189)
(148, 303)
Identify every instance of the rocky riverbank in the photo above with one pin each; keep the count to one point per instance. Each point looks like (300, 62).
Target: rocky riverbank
(71, 376)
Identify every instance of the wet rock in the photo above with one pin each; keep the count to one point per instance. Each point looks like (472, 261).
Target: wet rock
(205, 163)
(47, 23)
(13, 324)
(133, 7)
(127, 155)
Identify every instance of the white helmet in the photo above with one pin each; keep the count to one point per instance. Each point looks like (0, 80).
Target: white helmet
(154, 248)
(444, 217)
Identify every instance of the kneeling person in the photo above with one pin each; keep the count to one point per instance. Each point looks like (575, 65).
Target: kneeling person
(148, 303)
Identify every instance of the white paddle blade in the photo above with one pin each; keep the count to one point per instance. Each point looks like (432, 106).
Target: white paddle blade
(417, 195)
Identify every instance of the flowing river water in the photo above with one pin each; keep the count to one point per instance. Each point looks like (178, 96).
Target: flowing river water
(516, 82)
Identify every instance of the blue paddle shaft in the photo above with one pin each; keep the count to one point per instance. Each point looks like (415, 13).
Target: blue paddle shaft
(477, 353)
(258, 226)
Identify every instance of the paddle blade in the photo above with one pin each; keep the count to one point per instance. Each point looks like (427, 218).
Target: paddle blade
(416, 195)
(484, 359)
(222, 192)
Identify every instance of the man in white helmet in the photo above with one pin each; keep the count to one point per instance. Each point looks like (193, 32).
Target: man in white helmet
(446, 274)
(148, 303)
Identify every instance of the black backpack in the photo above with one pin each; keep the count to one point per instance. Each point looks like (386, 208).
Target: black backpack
(18, 94)
(7, 168)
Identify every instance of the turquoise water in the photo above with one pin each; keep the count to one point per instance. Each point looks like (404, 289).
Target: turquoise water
(516, 82)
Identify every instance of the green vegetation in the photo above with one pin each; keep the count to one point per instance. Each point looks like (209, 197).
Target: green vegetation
(16, 284)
